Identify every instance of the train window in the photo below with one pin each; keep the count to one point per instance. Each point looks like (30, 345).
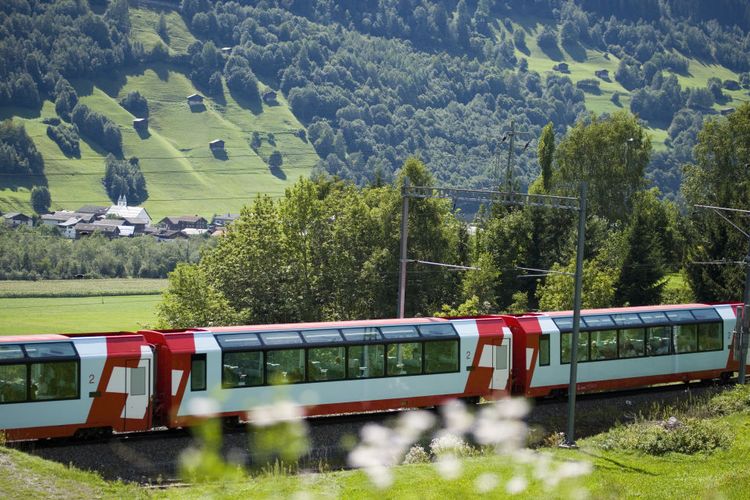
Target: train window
(652, 318)
(361, 334)
(544, 350)
(11, 351)
(281, 338)
(13, 382)
(658, 340)
(600, 321)
(680, 316)
(325, 363)
(709, 337)
(603, 344)
(285, 366)
(50, 350)
(366, 361)
(563, 323)
(314, 336)
(198, 372)
(705, 314)
(138, 381)
(686, 338)
(58, 380)
(439, 330)
(404, 359)
(632, 343)
(627, 319)
(399, 332)
(583, 346)
(238, 341)
(441, 356)
(242, 369)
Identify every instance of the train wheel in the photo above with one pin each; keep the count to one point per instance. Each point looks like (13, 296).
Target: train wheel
(725, 377)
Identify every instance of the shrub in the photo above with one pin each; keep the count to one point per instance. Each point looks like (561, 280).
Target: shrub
(734, 400)
(416, 455)
(657, 438)
(449, 444)
(66, 137)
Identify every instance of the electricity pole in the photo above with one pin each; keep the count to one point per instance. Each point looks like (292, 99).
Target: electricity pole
(742, 330)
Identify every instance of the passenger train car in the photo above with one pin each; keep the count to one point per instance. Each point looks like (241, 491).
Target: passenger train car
(65, 385)
(623, 347)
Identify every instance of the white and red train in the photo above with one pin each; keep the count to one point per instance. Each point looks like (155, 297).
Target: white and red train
(65, 385)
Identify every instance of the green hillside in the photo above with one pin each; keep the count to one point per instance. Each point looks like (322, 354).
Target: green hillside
(583, 62)
(182, 174)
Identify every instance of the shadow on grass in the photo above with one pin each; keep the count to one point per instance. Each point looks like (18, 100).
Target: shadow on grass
(278, 173)
(15, 182)
(253, 105)
(20, 112)
(617, 464)
(220, 154)
(197, 108)
(143, 133)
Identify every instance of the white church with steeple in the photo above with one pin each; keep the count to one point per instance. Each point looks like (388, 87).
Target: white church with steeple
(135, 215)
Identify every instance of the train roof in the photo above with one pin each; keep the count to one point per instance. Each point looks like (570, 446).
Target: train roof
(325, 324)
(637, 309)
(15, 339)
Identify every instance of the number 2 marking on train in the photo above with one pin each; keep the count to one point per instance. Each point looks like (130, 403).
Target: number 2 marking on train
(91, 378)
(468, 354)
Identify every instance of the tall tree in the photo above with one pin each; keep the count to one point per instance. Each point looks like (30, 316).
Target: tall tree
(40, 199)
(720, 177)
(545, 153)
(611, 154)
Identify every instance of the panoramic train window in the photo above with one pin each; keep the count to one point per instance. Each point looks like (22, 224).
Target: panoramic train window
(238, 341)
(438, 330)
(50, 350)
(626, 319)
(11, 351)
(13, 383)
(632, 343)
(57, 380)
(441, 356)
(603, 344)
(325, 363)
(404, 359)
(583, 346)
(399, 332)
(366, 361)
(361, 334)
(281, 338)
(680, 316)
(198, 372)
(710, 337)
(544, 350)
(706, 314)
(601, 321)
(242, 369)
(286, 366)
(317, 336)
(686, 338)
(659, 340)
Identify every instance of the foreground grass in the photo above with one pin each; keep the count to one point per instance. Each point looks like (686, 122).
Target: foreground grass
(81, 288)
(20, 316)
(723, 474)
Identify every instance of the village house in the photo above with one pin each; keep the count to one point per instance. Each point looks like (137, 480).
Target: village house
(216, 145)
(15, 219)
(140, 124)
(183, 222)
(195, 100)
(270, 97)
(134, 215)
(83, 229)
(224, 220)
(99, 211)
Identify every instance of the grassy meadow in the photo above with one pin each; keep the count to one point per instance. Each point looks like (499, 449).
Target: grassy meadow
(23, 316)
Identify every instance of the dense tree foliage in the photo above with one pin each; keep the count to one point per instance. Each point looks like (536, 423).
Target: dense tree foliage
(98, 128)
(39, 253)
(40, 199)
(18, 154)
(66, 137)
(124, 178)
(720, 177)
(136, 104)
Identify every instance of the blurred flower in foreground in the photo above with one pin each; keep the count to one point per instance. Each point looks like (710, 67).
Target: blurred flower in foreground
(280, 431)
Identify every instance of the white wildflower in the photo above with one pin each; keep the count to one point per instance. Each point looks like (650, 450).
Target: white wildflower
(411, 424)
(484, 483)
(446, 443)
(448, 466)
(203, 407)
(457, 419)
(281, 411)
(566, 470)
(516, 485)
(380, 476)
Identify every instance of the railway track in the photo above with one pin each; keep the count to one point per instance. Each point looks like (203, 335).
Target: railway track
(152, 458)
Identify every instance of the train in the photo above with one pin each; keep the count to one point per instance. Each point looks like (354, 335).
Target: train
(82, 385)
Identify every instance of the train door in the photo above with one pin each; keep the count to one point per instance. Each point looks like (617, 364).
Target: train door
(138, 395)
(501, 363)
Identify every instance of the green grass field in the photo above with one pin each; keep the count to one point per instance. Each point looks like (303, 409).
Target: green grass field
(81, 288)
(23, 316)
